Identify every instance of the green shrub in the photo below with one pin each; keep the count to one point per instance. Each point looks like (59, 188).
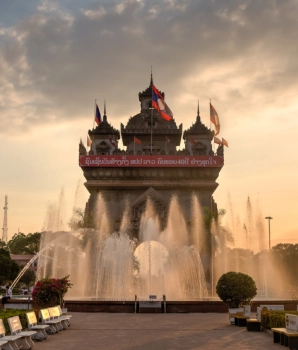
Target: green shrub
(5, 314)
(236, 289)
(275, 318)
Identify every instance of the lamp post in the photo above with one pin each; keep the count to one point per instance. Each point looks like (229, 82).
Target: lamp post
(269, 218)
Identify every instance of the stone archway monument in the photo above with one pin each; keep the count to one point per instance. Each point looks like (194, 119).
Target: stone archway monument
(151, 167)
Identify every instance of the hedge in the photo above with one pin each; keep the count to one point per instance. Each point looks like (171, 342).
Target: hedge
(5, 314)
(275, 318)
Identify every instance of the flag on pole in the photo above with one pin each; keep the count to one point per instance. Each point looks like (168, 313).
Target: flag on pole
(112, 141)
(97, 115)
(159, 104)
(214, 119)
(191, 139)
(167, 140)
(217, 140)
(136, 140)
(225, 142)
(89, 142)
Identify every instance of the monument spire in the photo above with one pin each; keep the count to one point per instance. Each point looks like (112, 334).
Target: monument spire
(198, 112)
(104, 111)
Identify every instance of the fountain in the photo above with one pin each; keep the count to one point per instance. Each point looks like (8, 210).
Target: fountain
(107, 265)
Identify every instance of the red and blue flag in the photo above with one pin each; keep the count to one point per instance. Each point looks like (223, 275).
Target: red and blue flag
(97, 115)
(159, 104)
(112, 141)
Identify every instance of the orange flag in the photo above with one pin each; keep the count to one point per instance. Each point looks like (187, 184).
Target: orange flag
(89, 142)
(214, 119)
(217, 140)
(137, 141)
(225, 142)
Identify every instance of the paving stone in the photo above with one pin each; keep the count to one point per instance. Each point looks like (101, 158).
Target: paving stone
(155, 331)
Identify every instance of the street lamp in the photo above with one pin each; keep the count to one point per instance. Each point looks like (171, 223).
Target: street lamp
(269, 218)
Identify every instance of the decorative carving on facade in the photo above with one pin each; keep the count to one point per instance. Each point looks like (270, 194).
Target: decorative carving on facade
(103, 148)
(139, 206)
(199, 149)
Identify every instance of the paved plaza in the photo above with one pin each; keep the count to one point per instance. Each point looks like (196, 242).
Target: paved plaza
(155, 331)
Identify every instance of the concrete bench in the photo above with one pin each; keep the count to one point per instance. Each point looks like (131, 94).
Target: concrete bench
(2, 342)
(55, 315)
(235, 312)
(253, 325)
(10, 339)
(64, 317)
(287, 336)
(40, 329)
(25, 342)
(55, 325)
(63, 312)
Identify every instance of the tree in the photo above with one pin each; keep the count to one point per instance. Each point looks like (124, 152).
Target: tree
(285, 257)
(236, 289)
(9, 269)
(81, 219)
(2, 244)
(28, 277)
(24, 244)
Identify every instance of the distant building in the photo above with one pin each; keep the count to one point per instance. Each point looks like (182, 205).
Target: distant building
(22, 260)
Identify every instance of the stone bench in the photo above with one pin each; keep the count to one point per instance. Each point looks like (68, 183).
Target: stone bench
(235, 312)
(253, 325)
(64, 315)
(2, 342)
(25, 342)
(40, 329)
(287, 336)
(55, 315)
(55, 325)
(10, 339)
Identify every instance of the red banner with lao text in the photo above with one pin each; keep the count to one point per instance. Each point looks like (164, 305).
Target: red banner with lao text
(151, 161)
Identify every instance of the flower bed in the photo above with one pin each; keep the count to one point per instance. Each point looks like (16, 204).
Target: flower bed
(50, 291)
(5, 314)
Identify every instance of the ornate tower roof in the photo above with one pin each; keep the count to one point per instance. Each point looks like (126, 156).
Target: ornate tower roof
(198, 129)
(104, 128)
(147, 93)
(140, 124)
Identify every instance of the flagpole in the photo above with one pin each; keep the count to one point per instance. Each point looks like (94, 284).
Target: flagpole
(210, 113)
(94, 112)
(151, 126)
(212, 145)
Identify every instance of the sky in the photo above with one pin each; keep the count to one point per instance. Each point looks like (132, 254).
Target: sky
(56, 57)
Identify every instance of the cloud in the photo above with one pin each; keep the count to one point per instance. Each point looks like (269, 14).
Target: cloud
(55, 59)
